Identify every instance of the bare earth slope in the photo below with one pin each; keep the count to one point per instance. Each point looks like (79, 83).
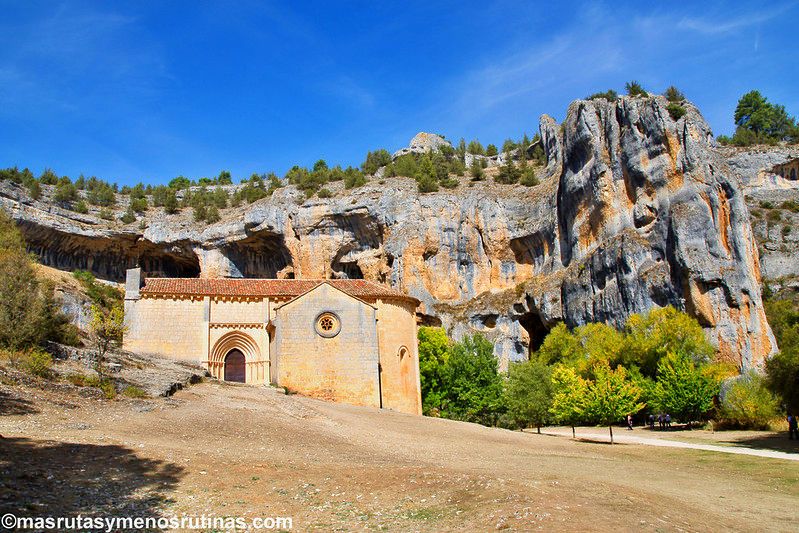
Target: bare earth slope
(238, 450)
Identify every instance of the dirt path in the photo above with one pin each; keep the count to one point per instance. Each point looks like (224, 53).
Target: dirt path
(671, 441)
(244, 451)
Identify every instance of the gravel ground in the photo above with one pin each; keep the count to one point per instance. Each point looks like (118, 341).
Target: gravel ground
(235, 450)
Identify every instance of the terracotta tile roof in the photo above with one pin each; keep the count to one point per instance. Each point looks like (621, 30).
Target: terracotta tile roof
(358, 288)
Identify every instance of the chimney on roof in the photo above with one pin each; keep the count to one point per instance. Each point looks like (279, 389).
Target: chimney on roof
(133, 282)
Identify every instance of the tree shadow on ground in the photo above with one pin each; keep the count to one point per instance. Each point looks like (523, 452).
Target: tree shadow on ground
(11, 404)
(47, 478)
(769, 441)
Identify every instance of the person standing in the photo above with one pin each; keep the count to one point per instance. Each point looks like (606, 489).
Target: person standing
(793, 427)
(668, 421)
(630, 422)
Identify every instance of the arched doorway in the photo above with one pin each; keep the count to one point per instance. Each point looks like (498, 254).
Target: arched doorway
(235, 367)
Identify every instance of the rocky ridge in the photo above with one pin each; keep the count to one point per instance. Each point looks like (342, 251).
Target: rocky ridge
(634, 210)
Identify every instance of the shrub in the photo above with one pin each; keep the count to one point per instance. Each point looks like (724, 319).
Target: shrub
(100, 193)
(81, 207)
(325, 193)
(65, 192)
(634, 88)
(212, 214)
(508, 173)
(80, 380)
(676, 111)
(673, 94)
(38, 363)
(35, 190)
(106, 214)
(129, 216)
(138, 205)
(609, 95)
(746, 403)
(106, 296)
(132, 391)
(791, 206)
(765, 204)
(353, 178)
(108, 387)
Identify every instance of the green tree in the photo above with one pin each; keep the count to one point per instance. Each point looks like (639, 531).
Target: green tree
(528, 394)
(171, 205)
(473, 382)
(433, 355)
(766, 121)
(508, 173)
(23, 304)
(426, 179)
(582, 348)
(475, 148)
(611, 397)
(406, 165)
(509, 145)
(782, 378)
(107, 326)
(476, 170)
(224, 178)
(179, 183)
(570, 396)
(375, 160)
(682, 389)
(660, 331)
(491, 150)
(48, 177)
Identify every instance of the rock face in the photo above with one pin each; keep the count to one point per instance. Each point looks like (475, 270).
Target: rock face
(634, 210)
(423, 142)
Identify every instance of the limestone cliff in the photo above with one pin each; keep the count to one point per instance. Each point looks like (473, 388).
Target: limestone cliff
(634, 210)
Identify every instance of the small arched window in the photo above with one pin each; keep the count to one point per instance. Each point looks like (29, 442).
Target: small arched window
(403, 352)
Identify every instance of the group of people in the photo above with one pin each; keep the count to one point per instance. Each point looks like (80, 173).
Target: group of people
(663, 420)
(793, 426)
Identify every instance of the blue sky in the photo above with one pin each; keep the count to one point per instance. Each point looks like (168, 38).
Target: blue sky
(146, 91)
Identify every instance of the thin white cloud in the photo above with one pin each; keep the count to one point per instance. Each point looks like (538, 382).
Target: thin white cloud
(725, 24)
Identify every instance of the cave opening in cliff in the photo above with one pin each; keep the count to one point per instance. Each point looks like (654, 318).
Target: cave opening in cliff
(157, 264)
(261, 255)
(347, 270)
(535, 328)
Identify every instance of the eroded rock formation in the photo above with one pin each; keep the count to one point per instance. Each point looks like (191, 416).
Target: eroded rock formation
(634, 210)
